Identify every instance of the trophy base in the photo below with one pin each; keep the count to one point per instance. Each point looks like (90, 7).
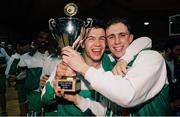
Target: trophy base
(70, 85)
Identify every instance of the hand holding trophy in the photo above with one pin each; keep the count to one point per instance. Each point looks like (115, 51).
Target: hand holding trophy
(69, 31)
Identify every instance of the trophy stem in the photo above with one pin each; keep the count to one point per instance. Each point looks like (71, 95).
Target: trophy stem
(63, 41)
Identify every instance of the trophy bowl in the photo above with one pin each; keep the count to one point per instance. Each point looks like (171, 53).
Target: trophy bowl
(70, 31)
(66, 30)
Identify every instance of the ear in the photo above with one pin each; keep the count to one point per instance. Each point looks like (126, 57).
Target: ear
(131, 36)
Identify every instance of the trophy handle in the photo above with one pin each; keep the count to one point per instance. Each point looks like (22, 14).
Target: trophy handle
(52, 25)
(87, 27)
(89, 22)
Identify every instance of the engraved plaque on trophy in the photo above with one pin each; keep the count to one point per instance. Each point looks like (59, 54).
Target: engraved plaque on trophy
(66, 31)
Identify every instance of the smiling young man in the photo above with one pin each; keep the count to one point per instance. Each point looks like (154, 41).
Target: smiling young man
(144, 89)
(93, 49)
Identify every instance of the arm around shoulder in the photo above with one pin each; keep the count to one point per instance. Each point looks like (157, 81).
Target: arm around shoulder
(143, 81)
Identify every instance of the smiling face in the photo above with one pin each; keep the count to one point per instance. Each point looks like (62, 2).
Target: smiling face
(94, 45)
(118, 39)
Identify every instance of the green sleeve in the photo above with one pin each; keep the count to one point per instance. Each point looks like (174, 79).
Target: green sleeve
(48, 96)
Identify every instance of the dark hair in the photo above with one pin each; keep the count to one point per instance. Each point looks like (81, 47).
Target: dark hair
(97, 23)
(23, 42)
(37, 33)
(171, 43)
(119, 20)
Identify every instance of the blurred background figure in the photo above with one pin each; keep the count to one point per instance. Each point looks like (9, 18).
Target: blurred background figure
(171, 55)
(4, 57)
(50, 109)
(2, 44)
(32, 63)
(22, 46)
